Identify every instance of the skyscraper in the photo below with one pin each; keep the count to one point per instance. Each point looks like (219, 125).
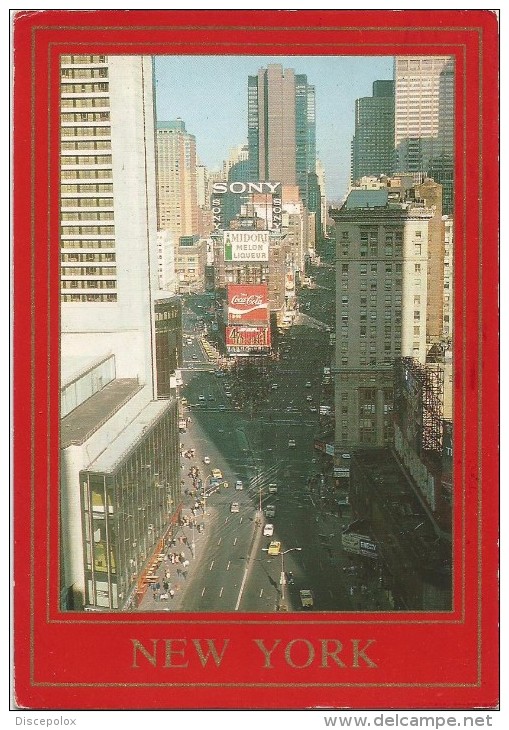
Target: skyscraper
(373, 142)
(176, 179)
(281, 127)
(424, 119)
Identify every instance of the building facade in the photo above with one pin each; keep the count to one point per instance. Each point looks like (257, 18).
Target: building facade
(383, 246)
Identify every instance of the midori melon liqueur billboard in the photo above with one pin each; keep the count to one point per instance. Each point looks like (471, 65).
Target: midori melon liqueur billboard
(246, 246)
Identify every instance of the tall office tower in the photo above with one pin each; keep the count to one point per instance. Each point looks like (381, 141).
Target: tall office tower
(373, 142)
(385, 243)
(176, 179)
(424, 118)
(281, 127)
(120, 472)
(108, 210)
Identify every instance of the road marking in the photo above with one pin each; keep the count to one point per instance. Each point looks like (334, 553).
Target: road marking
(228, 566)
(219, 541)
(330, 594)
(235, 541)
(220, 592)
(212, 563)
(261, 593)
(241, 520)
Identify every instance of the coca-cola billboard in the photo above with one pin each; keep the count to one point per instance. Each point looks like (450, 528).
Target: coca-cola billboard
(248, 303)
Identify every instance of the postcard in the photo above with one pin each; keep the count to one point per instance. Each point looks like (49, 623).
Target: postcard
(255, 351)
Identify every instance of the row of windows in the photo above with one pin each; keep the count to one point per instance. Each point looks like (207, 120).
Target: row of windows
(84, 73)
(90, 284)
(86, 131)
(88, 243)
(85, 117)
(85, 103)
(87, 231)
(86, 202)
(86, 174)
(89, 271)
(92, 88)
(77, 257)
(89, 297)
(87, 144)
(90, 159)
(87, 188)
(81, 58)
(92, 216)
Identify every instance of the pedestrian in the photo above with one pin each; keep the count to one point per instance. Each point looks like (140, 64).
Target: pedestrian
(172, 592)
(178, 572)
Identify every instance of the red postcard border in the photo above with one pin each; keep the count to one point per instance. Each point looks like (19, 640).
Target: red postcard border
(427, 660)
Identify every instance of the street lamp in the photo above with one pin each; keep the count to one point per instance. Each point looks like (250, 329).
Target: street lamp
(283, 579)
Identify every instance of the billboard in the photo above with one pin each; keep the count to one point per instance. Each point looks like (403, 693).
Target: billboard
(247, 303)
(246, 246)
(245, 340)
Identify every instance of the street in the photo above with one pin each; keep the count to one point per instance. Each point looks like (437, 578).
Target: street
(257, 425)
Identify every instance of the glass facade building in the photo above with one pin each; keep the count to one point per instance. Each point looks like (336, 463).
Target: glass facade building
(130, 502)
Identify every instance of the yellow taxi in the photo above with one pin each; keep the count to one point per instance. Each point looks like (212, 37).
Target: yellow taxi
(217, 473)
(274, 548)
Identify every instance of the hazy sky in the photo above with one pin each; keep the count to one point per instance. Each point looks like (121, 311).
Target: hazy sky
(209, 93)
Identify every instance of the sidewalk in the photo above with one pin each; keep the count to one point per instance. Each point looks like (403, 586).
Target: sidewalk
(176, 573)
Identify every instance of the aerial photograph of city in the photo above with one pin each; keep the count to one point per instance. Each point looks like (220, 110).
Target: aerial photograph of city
(256, 327)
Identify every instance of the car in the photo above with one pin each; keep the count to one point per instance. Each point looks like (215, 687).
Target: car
(274, 548)
(270, 510)
(211, 397)
(206, 459)
(201, 397)
(272, 488)
(189, 341)
(308, 384)
(274, 386)
(291, 443)
(345, 456)
(313, 409)
(234, 507)
(228, 394)
(268, 530)
(309, 397)
(195, 357)
(289, 578)
(239, 485)
(222, 407)
(217, 473)
(306, 598)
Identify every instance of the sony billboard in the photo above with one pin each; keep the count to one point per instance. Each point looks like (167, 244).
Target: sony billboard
(272, 189)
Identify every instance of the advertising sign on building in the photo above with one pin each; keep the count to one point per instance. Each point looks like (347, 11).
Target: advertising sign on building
(222, 188)
(247, 303)
(245, 340)
(357, 544)
(246, 246)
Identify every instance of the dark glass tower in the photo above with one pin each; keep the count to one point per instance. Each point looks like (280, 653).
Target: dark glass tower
(373, 142)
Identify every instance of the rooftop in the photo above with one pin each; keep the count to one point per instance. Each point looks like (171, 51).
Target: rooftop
(124, 443)
(83, 421)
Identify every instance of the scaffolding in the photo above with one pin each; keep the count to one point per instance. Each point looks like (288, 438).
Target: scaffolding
(419, 395)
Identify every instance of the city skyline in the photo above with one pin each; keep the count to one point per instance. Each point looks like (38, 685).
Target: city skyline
(185, 84)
